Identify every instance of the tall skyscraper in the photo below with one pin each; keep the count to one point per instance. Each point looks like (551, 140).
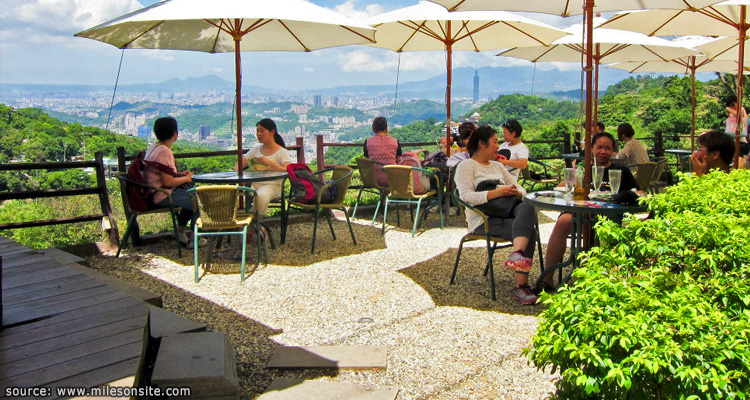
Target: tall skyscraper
(204, 133)
(318, 101)
(476, 85)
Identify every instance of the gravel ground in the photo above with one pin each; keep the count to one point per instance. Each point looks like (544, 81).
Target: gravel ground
(444, 341)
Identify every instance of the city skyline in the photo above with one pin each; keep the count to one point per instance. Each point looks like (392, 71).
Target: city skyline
(34, 50)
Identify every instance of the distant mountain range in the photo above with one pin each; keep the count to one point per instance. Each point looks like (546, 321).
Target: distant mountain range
(493, 81)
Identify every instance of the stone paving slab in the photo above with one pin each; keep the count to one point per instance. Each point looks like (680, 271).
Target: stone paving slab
(298, 389)
(359, 357)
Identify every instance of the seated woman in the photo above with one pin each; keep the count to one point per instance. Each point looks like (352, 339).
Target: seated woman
(382, 148)
(464, 135)
(634, 151)
(165, 130)
(603, 147)
(270, 154)
(483, 166)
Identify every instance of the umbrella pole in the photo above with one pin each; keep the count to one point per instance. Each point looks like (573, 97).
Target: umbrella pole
(692, 81)
(449, 66)
(596, 88)
(238, 92)
(589, 21)
(740, 79)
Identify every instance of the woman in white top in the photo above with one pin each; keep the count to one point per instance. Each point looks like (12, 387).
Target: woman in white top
(482, 166)
(634, 152)
(270, 154)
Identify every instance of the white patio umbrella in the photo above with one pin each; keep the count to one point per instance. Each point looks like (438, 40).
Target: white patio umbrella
(232, 25)
(686, 65)
(728, 18)
(428, 26)
(610, 45)
(567, 8)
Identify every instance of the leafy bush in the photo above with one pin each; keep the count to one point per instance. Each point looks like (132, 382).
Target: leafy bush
(661, 310)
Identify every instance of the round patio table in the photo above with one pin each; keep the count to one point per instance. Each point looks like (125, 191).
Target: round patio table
(232, 177)
(585, 213)
(248, 177)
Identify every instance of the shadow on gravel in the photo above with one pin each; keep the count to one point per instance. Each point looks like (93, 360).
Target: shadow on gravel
(471, 288)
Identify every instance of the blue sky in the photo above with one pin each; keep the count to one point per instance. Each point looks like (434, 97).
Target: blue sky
(37, 46)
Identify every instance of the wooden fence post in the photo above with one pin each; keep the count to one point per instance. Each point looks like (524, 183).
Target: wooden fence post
(121, 160)
(300, 141)
(101, 183)
(567, 149)
(319, 149)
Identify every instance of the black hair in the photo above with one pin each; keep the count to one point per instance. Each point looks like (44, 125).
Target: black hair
(482, 134)
(165, 128)
(271, 127)
(625, 130)
(731, 99)
(718, 141)
(464, 132)
(379, 124)
(513, 126)
(601, 126)
(606, 135)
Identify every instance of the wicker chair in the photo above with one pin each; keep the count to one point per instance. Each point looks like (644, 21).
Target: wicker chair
(493, 243)
(132, 214)
(341, 178)
(369, 184)
(401, 184)
(218, 216)
(656, 184)
(643, 173)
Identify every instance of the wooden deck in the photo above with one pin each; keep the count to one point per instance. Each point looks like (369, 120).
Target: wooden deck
(63, 328)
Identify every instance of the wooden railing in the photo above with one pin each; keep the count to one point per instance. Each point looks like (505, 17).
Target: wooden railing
(123, 158)
(106, 216)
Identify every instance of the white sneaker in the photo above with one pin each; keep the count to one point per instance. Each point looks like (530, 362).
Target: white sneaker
(182, 237)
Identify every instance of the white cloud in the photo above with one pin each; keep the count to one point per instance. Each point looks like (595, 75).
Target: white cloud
(362, 61)
(348, 9)
(309, 69)
(378, 60)
(63, 16)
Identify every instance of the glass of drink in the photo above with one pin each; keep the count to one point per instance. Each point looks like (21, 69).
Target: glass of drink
(615, 177)
(580, 190)
(569, 179)
(598, 175)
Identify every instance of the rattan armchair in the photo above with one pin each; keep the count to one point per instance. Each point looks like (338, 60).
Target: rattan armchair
(341, 178)
(370, 184)
(401, 185)
(218, 216)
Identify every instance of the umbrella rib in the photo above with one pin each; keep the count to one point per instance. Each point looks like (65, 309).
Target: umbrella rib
(293, 35)
(129, 42)
(615, 48)
(423, 29)
(455, 7)
(259, 23)
(525, 33)
(414, 30)
(711, 12)
(654, 53)
(470, 33)
(358, 34)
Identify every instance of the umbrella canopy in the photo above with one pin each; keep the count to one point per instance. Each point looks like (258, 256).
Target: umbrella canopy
(231, 25)
(686, 65)
(610, 45)
(728, 18)
(575, 7)
(428, 26)
(569, 7)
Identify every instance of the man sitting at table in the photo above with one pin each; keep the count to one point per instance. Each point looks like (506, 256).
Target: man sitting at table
(603, 148)
(715, 151)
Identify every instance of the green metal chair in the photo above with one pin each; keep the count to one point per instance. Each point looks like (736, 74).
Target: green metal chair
(370, 184)
(547, 178)
(341, 178)
(218, 216)
(493, 243)
(132, 215)
(643, 173)
(401, 184)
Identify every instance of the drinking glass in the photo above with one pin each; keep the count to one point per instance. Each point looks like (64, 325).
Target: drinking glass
(598, 172)
(615, 177)
(569, 179)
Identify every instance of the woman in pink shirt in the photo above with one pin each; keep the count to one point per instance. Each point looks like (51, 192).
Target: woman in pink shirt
(165, 129)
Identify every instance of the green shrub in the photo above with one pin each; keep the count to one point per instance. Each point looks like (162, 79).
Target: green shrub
(661, 309)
